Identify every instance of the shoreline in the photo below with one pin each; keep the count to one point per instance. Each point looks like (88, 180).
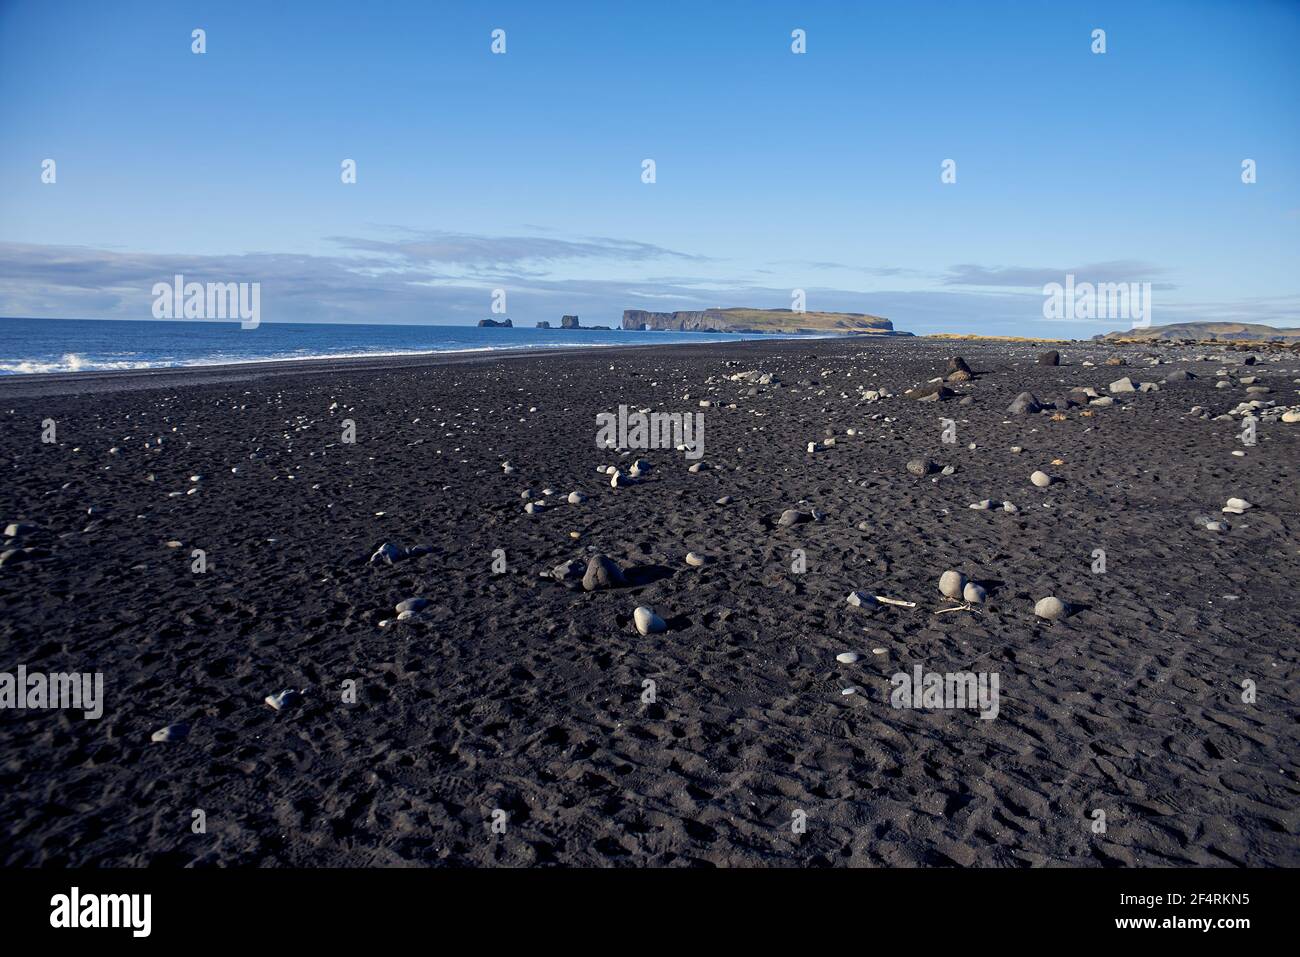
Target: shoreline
(92, 381)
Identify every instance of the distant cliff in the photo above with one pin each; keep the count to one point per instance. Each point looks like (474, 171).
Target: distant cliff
(493, 324)
(759, 320)
(1206, 332)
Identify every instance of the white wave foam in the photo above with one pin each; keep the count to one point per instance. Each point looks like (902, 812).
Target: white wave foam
(73, 362)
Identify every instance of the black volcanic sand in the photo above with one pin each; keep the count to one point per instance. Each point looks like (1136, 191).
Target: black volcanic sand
(515, 693)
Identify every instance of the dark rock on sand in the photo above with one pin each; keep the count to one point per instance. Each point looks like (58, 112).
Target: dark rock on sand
(920, 467)
(933, 392)
(1024, 402)
(388, 554)
(602, 572)
(1052, 358)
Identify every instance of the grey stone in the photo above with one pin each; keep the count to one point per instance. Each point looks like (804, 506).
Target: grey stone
(647, 622)
(792, 516)
(602, 572)
(1050, 608)
(1024, 402)
(388, 553)
(951, 584)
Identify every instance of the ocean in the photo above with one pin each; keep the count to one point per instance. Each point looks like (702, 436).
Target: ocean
(91, 345)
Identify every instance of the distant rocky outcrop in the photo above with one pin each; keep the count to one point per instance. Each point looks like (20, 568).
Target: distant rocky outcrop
(494, 324)
(568, 322)
(543, 325)
(1206, 332)
(759, 320)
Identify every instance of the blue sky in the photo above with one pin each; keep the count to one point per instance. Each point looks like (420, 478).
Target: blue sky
(775, 171)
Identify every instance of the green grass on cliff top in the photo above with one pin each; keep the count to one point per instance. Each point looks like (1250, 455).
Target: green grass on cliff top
(784, 319)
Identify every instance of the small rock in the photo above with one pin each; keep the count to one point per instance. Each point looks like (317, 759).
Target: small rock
(696, 560)
(859, 600)
(1050, 608)
(974, 594)
(647, 622)
(388, 553)
(1024, 402)
(1041, 479)
(602, 572)
(570, 571)
(951, 584)
(848, 657)
(920, 467)
(792, 516)
(412, 605)
(934, 392)
(1121, 385)
(173, 732)
(576, 498)
(282, 699)
(1052, 358)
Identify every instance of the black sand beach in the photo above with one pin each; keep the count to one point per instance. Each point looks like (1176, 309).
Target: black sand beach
(516, 693)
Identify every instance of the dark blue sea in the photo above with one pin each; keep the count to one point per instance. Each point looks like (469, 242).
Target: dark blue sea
(88, 345)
